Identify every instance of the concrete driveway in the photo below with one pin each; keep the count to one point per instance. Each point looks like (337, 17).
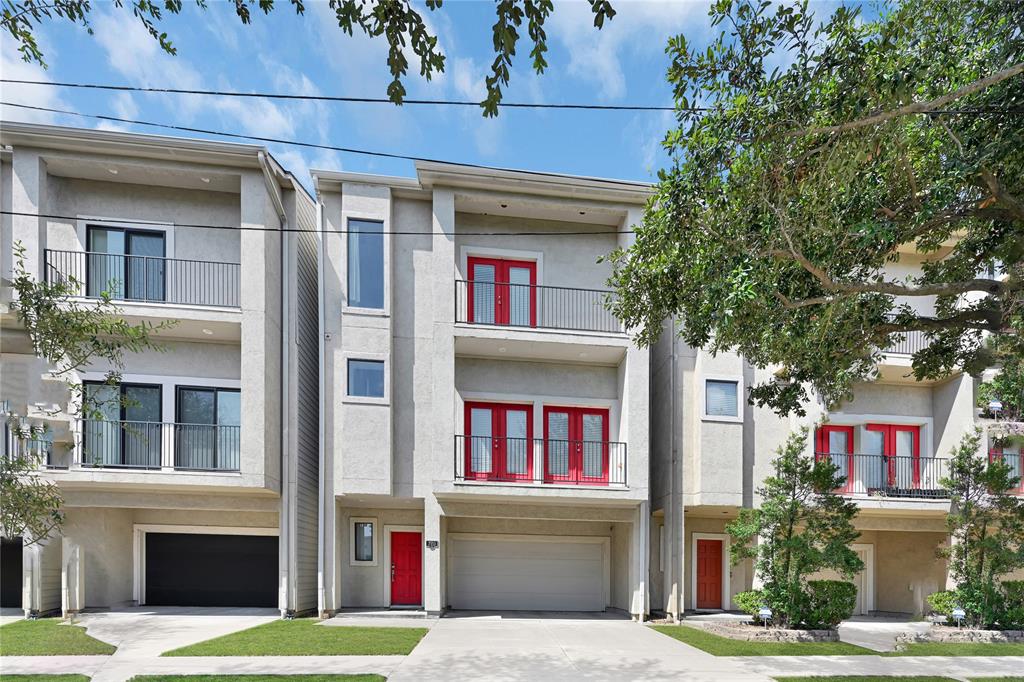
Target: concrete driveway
(146, 631)
(525, 646)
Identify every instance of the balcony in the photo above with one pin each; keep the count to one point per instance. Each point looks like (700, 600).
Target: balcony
(539, 461)
(1015, 460)
(156, 445)
(891, 476)
(531, 306)
(912, 342)
(146, 279)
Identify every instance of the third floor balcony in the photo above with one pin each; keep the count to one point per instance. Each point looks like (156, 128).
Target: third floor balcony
(516, 302)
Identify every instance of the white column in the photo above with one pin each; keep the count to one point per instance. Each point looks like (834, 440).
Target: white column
(28, 189)
(72, 578)
(639, 566)
(433, 571)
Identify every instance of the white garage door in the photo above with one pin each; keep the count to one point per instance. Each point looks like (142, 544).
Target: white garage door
(527, 574)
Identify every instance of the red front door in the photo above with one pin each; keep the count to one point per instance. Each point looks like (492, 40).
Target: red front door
(709, 574)
(406, 569)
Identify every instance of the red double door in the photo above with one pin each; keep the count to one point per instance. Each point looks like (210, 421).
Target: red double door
(576, 445)
(899, 444)
(502, 292)
(499, 442)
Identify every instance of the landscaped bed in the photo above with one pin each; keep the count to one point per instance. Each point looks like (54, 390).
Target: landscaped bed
(304, 637)
(49, 637)
(724, 646)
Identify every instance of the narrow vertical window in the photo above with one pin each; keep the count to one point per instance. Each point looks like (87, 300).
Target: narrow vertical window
(363, 541)
(366, 264)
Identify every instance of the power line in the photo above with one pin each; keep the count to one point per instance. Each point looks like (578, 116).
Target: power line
(339, 98)
(410, 233)
(294, 143)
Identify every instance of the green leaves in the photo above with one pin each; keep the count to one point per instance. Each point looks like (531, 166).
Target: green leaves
(793, 246)
(801, 527)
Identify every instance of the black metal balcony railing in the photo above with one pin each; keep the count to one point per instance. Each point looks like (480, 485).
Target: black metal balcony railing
(891, 475)
(540, 461)
(528, 305)
(155, 445)
(147, 278)
(911, 342)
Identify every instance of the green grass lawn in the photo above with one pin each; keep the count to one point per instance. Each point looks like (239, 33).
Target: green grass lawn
(723, 646)
(49, 637)
(258, 678)
(945, 649)
(304, 637)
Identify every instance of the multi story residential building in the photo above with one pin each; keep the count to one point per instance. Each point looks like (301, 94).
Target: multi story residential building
(712, 450)
(486, 418)
(197, 483)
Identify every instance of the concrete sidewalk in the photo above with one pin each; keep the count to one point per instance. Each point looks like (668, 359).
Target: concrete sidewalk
(959, 667)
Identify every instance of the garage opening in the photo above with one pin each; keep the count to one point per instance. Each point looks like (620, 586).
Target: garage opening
(524, 573)
(191, 569)
(10, 573)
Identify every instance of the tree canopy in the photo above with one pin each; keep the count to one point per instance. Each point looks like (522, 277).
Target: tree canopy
(397, 21)
(810, 156)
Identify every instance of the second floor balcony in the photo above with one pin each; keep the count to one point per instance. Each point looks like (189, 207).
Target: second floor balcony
(525, 305)
(120, 444)
(146, 279)
(890, 476)
(540, 461)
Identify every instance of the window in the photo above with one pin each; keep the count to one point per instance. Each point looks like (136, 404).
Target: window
(129, 264)
(366, 264)
(207, 432)
(366, 378)
(125, 429)
(364, 542)
(721, 399)
(502, 292)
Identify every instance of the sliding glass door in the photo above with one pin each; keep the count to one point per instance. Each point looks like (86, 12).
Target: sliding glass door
(124, 429)
(208, 428)
(128, 264)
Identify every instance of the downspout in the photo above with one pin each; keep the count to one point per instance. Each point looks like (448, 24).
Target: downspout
(321, 598)
(274, 190)
(673, 459)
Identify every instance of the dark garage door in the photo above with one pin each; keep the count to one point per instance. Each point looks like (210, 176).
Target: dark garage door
(10, 573)
(211, 570)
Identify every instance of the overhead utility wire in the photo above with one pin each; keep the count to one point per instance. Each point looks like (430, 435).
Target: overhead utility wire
(253, 228)
(339, 98)
(310, 145)
(440, 102)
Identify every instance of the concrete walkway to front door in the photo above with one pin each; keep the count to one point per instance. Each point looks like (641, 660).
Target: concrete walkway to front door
(528, 646)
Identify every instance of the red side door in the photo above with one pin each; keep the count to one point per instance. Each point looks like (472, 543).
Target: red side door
(576, 445)
(502, 292)
(406, 569)
(836, 443)
(709, 574)
(499, 442)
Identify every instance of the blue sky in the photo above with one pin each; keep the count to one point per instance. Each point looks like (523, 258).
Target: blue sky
(623, 63)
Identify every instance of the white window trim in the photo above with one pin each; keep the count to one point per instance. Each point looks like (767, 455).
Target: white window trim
(734, 378)
(385, 221)
(388, 530)
(166, 228)
(168, 384)
(139, 531)
(467, 252)
(352, 561)
(360, 399)
(860, 422)
(726, 577)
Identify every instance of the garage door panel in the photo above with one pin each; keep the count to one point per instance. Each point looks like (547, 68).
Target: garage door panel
(189, 569)
(523, 574)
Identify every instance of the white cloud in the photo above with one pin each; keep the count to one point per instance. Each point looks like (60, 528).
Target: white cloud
(639, 26)
(12, 66)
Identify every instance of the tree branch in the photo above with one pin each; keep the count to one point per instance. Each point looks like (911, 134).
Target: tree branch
(916, 107)
(1012, 203)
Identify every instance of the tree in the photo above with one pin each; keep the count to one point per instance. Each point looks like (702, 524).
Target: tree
(821, 150)
(69, 335)
(986, 527)
(1006, 387)
(396, 20)
(802, 526)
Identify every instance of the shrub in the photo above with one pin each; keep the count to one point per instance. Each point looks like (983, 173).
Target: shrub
(1013, 613)
(829, 603)
(943, 603)
(750, 602)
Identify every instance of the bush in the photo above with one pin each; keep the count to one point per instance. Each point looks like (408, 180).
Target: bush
(943, 603)
(1013, 614)
(750, 602)
(829, 603)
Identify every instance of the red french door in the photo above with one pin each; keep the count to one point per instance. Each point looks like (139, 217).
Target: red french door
(499, 442)
(901, 445)
(406, 569)
(576, 445)
(836, 443)
(502, 292)
(1012, 456)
